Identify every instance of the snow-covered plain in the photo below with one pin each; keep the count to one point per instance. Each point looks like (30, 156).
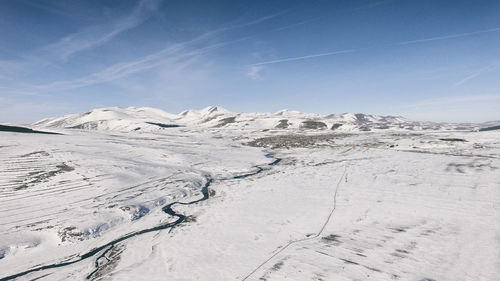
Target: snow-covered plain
(377, 198)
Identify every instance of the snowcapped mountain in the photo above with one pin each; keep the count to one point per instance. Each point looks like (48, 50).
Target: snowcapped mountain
(152, 119)
(111, 118)
(96, 203)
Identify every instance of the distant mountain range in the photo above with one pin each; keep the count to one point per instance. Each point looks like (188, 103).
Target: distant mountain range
(152, 119)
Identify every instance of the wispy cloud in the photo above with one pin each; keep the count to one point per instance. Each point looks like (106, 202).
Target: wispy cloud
(297, 24)
(372, 5)
(241, 25)
(444, 37)
(469, 77)
(97, 35)
(474, 75)
(254, 72)
(388, 45)
(304, 57)
(261, 19)
(175, 56)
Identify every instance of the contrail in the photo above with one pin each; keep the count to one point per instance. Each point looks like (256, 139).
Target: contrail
(449, 36)
(305, 57)
(475, 74)
(389, 45)
(297, 24)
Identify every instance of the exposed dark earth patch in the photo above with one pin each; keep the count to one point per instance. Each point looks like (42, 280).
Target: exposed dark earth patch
(40, 176)
(190, 218)
(490, 128)
(382, 127)
(475, 166)
(348, 261)
(364, 129)
(164, 125)
(283, 124)
(84, 126)
(290, 141)
(109, 262)
(17, 129)
(225, 121)
(212, 192)
(36, 153)
(332, 238)
(356, 263)
(453, 139)
(313, 125)
(397, 229)
(361, 118)
(105, 252)
(336, 126)
(70, 233)
(398, 255)
(277, 266)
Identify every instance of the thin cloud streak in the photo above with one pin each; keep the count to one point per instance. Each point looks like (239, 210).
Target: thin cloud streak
(448, 36)
(262, 19)
(372, 5)
(297, 24)
(176, 56)
(179, 55)
(475, 74)
(254, 72)
(167, 56)
(94, 36)
(396, 44)
(304, 57)
(242, 25)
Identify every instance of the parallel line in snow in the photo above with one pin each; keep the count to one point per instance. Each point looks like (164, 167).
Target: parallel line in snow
(303, 239)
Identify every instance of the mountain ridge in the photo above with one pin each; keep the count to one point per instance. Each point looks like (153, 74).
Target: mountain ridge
(153, 119)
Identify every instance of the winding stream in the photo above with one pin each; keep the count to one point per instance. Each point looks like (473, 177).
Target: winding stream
(166, 209)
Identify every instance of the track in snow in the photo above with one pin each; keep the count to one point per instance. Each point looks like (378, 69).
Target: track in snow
(166, 209)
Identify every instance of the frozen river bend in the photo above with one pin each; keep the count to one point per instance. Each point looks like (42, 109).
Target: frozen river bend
(190, 200)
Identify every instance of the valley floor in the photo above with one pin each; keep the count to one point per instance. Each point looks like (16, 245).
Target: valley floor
(366, 206)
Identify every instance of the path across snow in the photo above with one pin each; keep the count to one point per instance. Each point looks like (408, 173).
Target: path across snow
(380, 206)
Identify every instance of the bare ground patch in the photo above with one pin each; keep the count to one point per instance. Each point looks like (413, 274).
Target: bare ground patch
(291, 141)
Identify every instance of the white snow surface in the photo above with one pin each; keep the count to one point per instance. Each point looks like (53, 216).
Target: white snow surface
(385, 204)
(148, 119)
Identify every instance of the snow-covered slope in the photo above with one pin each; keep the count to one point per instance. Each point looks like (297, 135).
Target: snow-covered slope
(248, 196)
(148, 119)
(111, 118)
(199, 204)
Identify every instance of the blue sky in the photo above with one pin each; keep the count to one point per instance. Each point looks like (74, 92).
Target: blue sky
(422, 59)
